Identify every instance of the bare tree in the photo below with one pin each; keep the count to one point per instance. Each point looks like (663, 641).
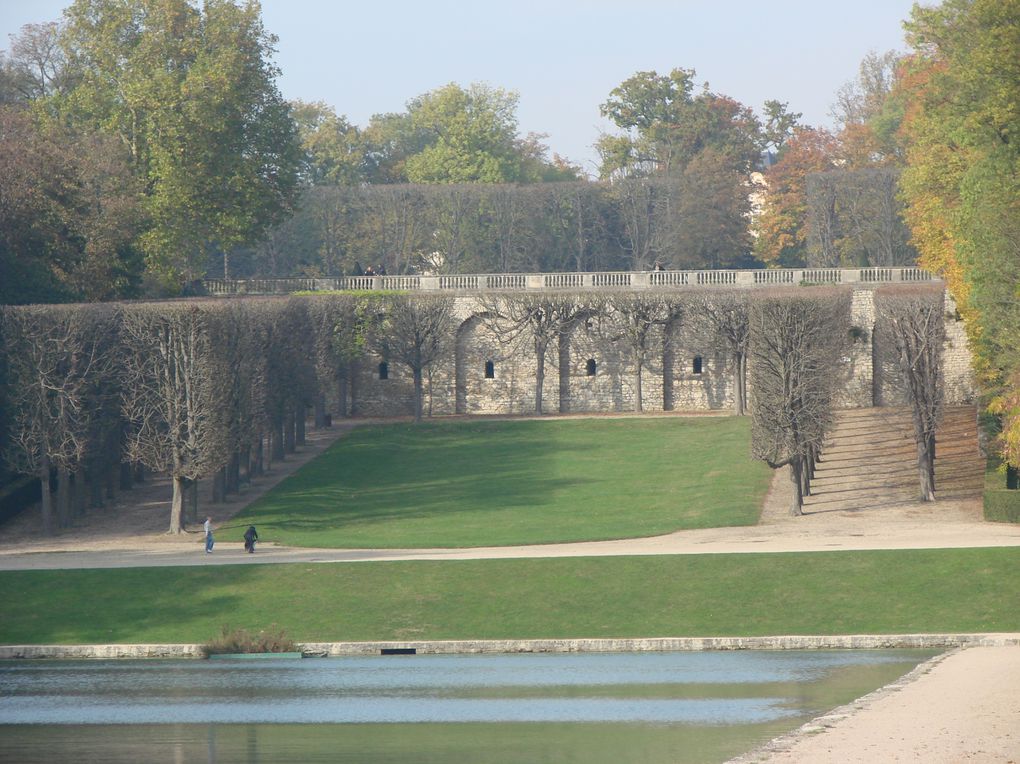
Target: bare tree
(171, 398)
(799, 343)
(536, 318)
(57, 359)
(417, 332)
(720, 319)
(631, 319)
(913, 322)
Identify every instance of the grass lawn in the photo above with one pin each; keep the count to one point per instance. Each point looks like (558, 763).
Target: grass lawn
(489, 483)
(903, 591)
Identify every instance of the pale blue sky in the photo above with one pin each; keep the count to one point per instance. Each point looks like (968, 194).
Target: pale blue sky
(562, 56)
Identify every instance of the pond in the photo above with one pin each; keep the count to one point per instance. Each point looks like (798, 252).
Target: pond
(605, 707)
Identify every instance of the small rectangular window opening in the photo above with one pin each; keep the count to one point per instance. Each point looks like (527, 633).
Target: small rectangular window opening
(384, 371)
(697, 364)
(490, 370)
(591, 367)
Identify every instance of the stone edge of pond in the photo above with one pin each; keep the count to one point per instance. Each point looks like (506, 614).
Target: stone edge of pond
(508, 646)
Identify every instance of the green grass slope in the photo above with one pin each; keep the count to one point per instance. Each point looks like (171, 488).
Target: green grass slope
(904, 591)
(487, 483)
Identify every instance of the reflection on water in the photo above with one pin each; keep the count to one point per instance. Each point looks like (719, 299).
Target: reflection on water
(590, 707)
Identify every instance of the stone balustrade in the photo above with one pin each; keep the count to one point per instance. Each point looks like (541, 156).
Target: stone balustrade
(520, 282)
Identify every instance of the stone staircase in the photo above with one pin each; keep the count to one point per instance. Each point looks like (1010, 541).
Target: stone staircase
(870, 460)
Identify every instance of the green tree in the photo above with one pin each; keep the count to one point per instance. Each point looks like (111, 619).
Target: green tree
(472, 134)
(192, 94)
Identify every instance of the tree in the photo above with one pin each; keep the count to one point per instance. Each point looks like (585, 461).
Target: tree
(783, 228)
(538, 318)
(721, 319)
(798, 344)
(192, 95)
(960, 184)
(913, 322)
(666, 125)
(335, 150)
(635, 320)
(417, 332)
(58, 361)
(472, 136)
(172, 399)
(68, 214)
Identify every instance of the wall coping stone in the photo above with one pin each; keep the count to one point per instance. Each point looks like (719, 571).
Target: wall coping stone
(507, 646)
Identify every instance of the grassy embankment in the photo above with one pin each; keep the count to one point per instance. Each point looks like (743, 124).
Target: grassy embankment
(481, 483)
(492, 483)
(700, 595)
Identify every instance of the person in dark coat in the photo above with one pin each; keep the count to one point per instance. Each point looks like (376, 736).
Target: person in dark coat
(250, 537)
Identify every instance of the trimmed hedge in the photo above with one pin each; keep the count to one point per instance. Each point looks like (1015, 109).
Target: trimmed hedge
(1002, 505)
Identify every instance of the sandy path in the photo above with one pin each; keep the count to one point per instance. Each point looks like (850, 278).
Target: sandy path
(961, 707)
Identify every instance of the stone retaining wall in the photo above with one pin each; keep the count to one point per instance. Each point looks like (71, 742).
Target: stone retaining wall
(462, 647)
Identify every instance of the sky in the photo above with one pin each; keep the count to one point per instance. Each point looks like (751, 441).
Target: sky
(562, 57)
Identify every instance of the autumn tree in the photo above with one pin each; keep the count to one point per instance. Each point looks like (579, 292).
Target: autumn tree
(782, 229)
(798, 343)
(960, 183)
(666, 124)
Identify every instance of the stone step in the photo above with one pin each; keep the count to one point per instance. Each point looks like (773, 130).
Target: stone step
(870, 459)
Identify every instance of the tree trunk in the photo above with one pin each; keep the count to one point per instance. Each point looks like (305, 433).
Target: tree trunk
(539, 378)
(127, 476)
(95, 482)
(79, 492)
(417, 394)
(740, 384)
(638, 404)
(233, 484)
(288, 432)
(299, 424)
(341, 397)
(47, 497)
(797, 503)
(320, 411)
(110, 475)
(925, 471)
(177, 505)
(192, 507)
(63, 497)
(218, 486)
(276, 449)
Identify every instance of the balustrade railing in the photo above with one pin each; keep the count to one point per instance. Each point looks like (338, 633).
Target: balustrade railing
(602, 280)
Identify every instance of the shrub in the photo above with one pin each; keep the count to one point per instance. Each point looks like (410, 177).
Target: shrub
(271, 640)
(1001, 504)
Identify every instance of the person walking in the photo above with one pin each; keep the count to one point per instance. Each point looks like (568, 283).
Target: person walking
(208, 535)
(250, 537)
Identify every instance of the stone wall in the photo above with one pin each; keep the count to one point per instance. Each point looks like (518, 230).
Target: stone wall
(588, 372)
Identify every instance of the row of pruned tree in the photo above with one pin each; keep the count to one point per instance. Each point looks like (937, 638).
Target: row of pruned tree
(799, 348)
(218, 390)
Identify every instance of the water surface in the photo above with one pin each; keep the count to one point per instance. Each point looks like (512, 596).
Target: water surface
(652, 707)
